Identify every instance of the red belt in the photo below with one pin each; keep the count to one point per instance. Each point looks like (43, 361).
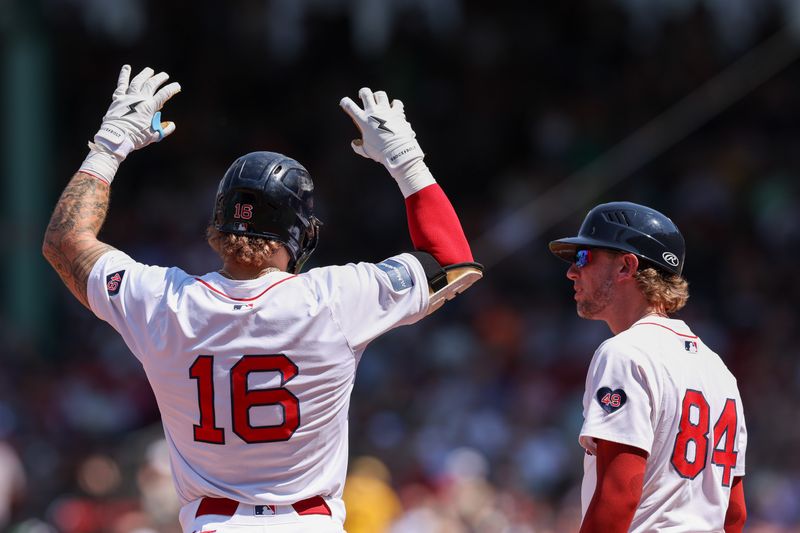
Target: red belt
(226, 507)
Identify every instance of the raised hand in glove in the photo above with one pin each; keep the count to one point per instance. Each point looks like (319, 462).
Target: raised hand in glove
(133, 121)
(387, 137)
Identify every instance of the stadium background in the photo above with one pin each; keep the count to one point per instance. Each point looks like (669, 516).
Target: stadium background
(530, 113)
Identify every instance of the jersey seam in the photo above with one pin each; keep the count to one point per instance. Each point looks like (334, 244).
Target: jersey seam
(341, 330)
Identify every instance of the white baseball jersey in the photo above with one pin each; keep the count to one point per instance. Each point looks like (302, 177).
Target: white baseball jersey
(253, 378)
(657, 387)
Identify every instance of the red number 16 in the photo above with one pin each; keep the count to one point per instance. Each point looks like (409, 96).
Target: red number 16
(243, 398)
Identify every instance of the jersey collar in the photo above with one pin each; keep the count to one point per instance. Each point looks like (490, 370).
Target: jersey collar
(676, 326)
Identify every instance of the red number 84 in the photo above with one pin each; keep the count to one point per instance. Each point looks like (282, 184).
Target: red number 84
(697, 433)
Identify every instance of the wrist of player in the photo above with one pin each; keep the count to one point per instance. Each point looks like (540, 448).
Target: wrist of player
(412, 177)
(101, 163)
(110, 147)
(404, 161)
(399, 154)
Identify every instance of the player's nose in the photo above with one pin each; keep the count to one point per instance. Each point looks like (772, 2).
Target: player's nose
(572, 272)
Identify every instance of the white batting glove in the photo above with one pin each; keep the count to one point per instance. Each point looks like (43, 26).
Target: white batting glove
(133, 121)
(387, 137)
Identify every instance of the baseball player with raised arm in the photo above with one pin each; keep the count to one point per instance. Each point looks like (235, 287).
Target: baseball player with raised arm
(252, 365)
(664, 431)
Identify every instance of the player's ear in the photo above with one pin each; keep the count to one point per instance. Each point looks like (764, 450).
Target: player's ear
(628, 265)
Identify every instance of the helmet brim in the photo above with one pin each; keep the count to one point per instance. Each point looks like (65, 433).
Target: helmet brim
(566, 248)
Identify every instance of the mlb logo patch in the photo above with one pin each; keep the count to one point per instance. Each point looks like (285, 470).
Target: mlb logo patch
(114, 282)
(690, 346)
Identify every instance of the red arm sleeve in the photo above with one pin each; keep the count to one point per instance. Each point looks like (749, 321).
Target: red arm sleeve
(435, 228)
(737, 511)
(620, 474)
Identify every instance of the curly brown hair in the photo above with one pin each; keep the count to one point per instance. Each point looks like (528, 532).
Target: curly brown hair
(668, 291)
(243, 249)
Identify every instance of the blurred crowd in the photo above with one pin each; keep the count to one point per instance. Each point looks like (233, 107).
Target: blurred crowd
(468, 421)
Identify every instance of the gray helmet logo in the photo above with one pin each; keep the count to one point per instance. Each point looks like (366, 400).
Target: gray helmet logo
(671, 258)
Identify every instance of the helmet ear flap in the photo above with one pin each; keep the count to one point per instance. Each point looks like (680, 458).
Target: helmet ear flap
(308, 243)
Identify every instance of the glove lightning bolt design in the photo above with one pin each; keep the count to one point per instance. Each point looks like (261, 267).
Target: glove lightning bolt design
(132, 108)
(381, 123)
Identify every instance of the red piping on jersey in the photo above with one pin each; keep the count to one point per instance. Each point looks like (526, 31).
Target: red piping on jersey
(244, 299)
(665, 327)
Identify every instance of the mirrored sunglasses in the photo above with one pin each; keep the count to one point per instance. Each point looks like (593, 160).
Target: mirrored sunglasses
(582, 258)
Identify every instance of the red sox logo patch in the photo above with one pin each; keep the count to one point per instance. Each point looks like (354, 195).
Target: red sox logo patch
(611, 400)
(113, 282)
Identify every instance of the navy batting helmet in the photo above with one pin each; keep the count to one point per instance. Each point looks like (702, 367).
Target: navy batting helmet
(269, 195)
(628, 227)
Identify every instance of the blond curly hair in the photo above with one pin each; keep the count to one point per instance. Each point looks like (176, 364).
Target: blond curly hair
(663, 290)
(243, 249)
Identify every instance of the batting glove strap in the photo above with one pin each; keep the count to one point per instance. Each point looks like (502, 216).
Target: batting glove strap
(113, 139)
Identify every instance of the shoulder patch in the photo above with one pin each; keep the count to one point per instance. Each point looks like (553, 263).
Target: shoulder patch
(113, 282)
(690, 346)
(398, 274)
(611, 400)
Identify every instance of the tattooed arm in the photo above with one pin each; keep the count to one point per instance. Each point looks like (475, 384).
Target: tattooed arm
(133, 121)
(70, 242)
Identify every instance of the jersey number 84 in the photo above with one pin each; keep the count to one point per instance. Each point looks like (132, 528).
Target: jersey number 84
(690, 454)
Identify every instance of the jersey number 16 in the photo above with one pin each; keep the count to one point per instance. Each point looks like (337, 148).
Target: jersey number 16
(243, 398)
